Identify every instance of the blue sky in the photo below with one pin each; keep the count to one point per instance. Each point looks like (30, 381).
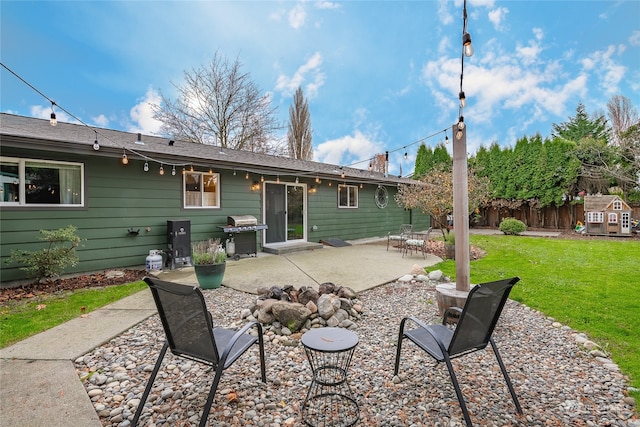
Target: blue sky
(378, 76)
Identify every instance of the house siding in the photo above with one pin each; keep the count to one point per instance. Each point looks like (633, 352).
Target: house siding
(119, 197)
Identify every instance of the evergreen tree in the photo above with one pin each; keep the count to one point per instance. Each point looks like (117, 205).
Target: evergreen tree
(581, 126)
(422, 159)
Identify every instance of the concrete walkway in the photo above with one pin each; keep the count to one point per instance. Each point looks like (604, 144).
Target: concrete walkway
(39, 386)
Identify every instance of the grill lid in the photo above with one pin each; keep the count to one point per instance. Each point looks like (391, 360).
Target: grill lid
(242, 220)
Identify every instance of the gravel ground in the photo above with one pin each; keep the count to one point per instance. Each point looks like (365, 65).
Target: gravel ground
(557, 381)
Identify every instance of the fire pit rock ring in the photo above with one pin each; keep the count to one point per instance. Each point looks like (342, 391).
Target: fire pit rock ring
(289, 311)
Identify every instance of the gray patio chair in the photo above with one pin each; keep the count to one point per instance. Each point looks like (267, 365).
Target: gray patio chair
(473, 331)
(190, 334)
(405, 229)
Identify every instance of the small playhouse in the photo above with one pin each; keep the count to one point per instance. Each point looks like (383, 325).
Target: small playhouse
(607, 215)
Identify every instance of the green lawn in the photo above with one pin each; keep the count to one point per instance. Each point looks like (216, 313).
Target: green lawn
(19, 320)
(591, 285)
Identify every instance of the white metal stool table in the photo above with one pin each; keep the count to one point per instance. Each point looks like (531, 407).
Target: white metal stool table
(329, 401)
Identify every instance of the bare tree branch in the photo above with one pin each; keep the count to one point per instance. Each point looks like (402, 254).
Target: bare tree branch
(219, 105)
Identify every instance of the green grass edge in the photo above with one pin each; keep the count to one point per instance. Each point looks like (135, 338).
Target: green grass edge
(22, 319)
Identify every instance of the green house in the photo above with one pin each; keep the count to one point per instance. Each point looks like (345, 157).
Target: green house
(123, 190)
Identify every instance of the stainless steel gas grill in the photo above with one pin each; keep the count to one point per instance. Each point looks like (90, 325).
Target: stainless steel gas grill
(242, 229)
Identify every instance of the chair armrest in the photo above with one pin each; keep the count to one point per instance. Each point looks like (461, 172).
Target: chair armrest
(235, 337)
(426, 328)
(449, 312)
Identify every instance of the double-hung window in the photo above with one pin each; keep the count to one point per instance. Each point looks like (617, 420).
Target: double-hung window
(347, 196)
(27, 182)
(201, 190)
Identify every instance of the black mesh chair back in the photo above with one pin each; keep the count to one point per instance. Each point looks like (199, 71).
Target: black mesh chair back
(190, 334)
(185, 319)
(473, 331)
(480, 316)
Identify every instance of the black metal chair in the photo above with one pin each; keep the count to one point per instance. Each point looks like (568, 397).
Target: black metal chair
(190, 334)
(473, 332)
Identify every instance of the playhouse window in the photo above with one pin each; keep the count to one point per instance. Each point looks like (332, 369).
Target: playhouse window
(595, 217)
(612, 218)
(42, 183)
(617, 205)
(201, 190)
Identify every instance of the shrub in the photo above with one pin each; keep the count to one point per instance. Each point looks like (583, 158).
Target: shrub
(512, 226)
(52, 260)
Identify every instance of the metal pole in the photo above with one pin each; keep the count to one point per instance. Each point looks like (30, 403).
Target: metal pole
(461, 208)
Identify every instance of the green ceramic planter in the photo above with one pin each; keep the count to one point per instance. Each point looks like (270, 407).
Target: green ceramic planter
(210, 275)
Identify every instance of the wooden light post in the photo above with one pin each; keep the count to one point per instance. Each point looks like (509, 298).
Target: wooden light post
(461, 207)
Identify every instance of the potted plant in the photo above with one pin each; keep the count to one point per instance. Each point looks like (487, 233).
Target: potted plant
(209, 262)
(450, 245)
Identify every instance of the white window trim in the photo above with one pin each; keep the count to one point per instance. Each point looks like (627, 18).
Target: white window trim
(22, 197)
(357, 196)
(612, 218)
(184, 191)
(617, 205)
(595, 217)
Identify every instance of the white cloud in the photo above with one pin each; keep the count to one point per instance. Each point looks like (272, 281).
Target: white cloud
(497, 17)
(347, 149)
(101, 120)
(445, 16)
(609, 71)
(297, 16)
(327, 5)
(634, 38)
(529, 54)
(309, 70)
(142, 114)
(504, 84)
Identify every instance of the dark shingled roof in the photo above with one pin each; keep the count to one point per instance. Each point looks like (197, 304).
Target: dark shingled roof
(38, 134)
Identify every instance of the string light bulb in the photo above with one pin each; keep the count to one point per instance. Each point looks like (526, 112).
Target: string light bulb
(173, 170)
(468, 47)
(460, 131)
(262, 178)
(246, 176)
(463, 100)
(405, 153)
(146, 166)
(53, 119)
(461, 123)
(466, 42)
(125, 159)
(96, 145)
(161, 169)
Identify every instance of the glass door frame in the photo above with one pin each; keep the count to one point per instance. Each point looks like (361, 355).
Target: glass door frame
(286, 186)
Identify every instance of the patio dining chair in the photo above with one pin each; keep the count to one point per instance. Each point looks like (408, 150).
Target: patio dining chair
(190, 333)
(405, 229)
(473, 331)
(416, 241)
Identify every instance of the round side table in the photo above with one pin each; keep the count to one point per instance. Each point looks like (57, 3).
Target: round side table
(329, 401)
